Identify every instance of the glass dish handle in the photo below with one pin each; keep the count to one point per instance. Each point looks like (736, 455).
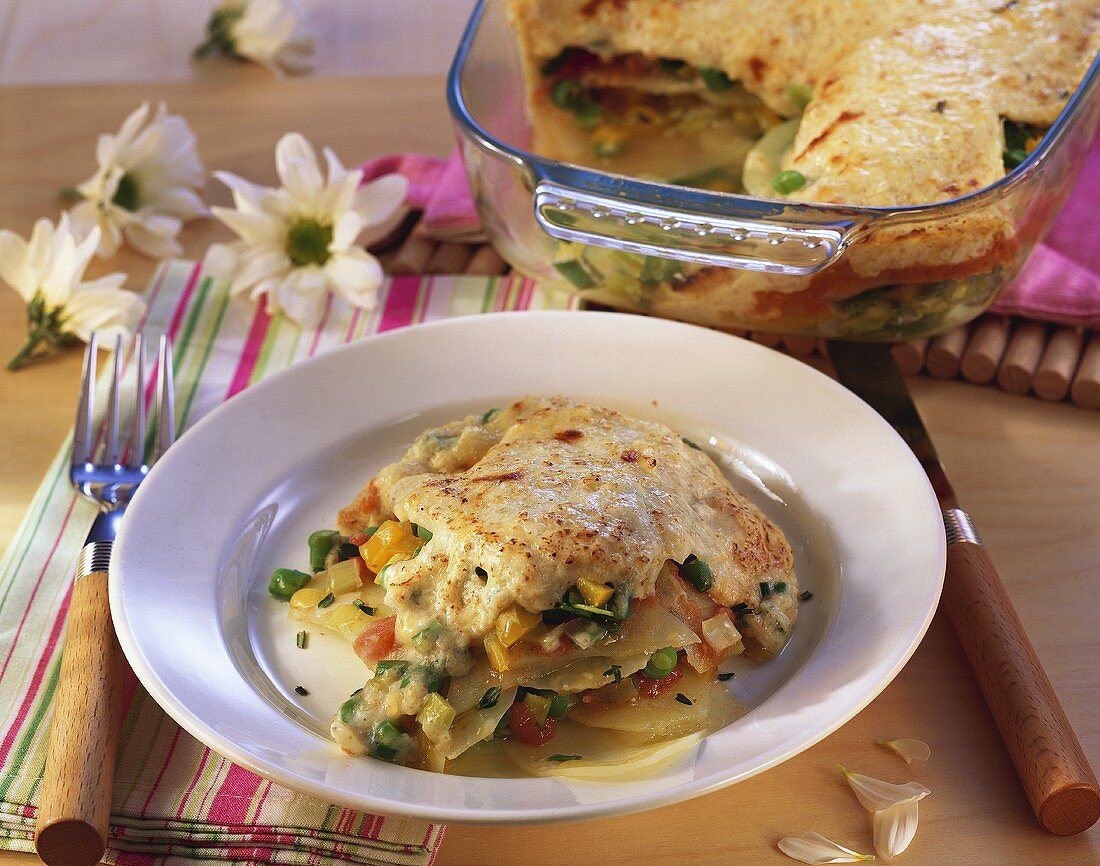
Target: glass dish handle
(630, 215)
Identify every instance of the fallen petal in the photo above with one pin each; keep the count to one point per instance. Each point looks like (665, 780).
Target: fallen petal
(908, 750)
(815, 849)
(895, 828)
(875, 795)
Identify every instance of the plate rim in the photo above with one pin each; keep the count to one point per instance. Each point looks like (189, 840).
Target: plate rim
(626, 804)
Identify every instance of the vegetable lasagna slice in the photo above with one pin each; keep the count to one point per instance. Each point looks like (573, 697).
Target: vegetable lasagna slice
(557, 579)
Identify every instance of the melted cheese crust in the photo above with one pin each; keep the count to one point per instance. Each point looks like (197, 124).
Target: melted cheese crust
(548, 491)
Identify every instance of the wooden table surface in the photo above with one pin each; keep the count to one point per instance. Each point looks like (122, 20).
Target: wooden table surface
(1027, 471)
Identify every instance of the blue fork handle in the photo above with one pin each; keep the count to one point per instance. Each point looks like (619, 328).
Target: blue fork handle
(75, 805)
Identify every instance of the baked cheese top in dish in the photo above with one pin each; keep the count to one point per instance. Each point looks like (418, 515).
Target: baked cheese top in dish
(871, 103)
(552, 582)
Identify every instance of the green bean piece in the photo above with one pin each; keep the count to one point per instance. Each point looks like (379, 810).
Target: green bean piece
(320, 543)
(788, 181)
(560, 706)
(697, 573)
(661, 663)
(715, 79)
(622, 603)
(347, 710)
(422, 533)
(287, 581)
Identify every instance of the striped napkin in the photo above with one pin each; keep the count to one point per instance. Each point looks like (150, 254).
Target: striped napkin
(175, 801)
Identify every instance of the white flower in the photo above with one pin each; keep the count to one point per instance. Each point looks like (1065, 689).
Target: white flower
(299, 241)
(815, 849)
(145, 186)
(908, 750)
(48, 272)
(265, 31)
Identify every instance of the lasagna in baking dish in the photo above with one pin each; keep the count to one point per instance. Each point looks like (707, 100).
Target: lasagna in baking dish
(553, 582)
(859, 103)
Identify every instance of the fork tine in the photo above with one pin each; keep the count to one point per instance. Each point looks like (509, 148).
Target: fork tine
(137, 418)
(82, 433)
(166, 400)
(111, 454)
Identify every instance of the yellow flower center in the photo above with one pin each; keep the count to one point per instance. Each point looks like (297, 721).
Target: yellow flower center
(126, 196)
(307, 243)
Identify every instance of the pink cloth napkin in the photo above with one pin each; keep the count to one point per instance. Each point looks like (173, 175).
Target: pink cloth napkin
(1060, 282)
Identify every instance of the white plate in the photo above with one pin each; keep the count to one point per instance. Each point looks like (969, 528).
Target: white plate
(238, 495)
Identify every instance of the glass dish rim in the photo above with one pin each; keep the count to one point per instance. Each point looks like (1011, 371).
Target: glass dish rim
(735, 202)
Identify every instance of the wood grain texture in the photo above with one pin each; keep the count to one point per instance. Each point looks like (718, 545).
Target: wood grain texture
(1055, 773)
(75, 803)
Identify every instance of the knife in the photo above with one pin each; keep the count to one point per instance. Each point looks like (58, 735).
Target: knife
(1055, 773)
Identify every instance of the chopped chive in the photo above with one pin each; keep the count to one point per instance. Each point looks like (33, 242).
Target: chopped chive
(490, 698)
(615, 671)
(301, 640)
(740, 607)
(940, 106)
(697, 572)
(684, 699)
(327, 600)
(431, 630)
(805, 595)
(400, 665)
(559, 759)
(364, 607)
(485, 418)
(586, 610)
(765, 589)
(779, 587)
(726, 676)
(481, 572)
(301, 690)
(689, 443)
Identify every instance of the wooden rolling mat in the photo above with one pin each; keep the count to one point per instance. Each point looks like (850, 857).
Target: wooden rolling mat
(1053, 362)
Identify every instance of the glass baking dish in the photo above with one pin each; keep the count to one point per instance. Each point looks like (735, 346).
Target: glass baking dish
(869, 273)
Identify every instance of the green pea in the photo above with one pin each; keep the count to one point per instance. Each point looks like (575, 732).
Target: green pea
(567, 93)
(320, 543)
(788, 181)
(286, 581)
(661, 663)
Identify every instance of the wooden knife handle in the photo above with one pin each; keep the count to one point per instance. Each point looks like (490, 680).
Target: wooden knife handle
(75, 805)
(1059, 782)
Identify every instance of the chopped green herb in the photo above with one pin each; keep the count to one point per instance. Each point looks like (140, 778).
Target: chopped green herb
(697, 573)
(781, 586)
(683, 699)
(690, 444)
(621, 602)
(765, 589)
(347, 550)
(301, 690)
(586, 610)
(940, 106)
(740, 607)
(671, 66)
(729, 675)
(549, 67)
(428, 632)
(615, 671)
(489, 414)
(286, 581)
(327, 600)
(398, 665)
(575, 271)
(715, 79)
(490, 698)
(560, 706)
(788, 181)
(347, 710)
(560, 759)
(301, 640)
(805, 595)
(370, 530)
(422, 533)
(364, 607)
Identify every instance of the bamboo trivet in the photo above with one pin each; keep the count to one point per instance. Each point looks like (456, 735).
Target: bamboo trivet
(1053, 362)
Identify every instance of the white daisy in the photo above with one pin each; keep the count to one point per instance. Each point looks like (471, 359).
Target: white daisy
(145, 187)
(268, 32)
(48, 272)
(299, 241)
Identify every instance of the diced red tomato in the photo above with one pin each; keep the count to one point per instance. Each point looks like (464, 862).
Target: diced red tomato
(651, 688)
(526, 729)
(358, 539)
(377, 640)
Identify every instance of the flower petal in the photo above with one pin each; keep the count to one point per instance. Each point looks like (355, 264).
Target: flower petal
(875, 795)
(895, 828)
(296, 164)
(378, 200)
(154, 235)
(257, 264)
(816, 849)
(221, 260)
(301, 296)
(15, 269)
(252, 227)
(908, 750)
(109, 312)
(355, 277)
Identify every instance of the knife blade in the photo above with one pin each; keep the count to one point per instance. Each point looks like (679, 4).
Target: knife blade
(1055, 773)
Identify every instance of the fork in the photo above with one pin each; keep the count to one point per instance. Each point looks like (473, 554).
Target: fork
(75, 803)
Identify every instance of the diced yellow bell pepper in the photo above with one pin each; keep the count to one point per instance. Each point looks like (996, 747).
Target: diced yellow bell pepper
(539, 707)
(435, 717)
(595, 593)
(343, 577)
(346, 619)
(514, 623)
(307, 597)
(497, 653)
(392, 539)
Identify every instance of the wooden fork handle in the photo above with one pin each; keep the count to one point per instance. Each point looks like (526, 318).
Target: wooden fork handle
(75, 805)
(1055, 773)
